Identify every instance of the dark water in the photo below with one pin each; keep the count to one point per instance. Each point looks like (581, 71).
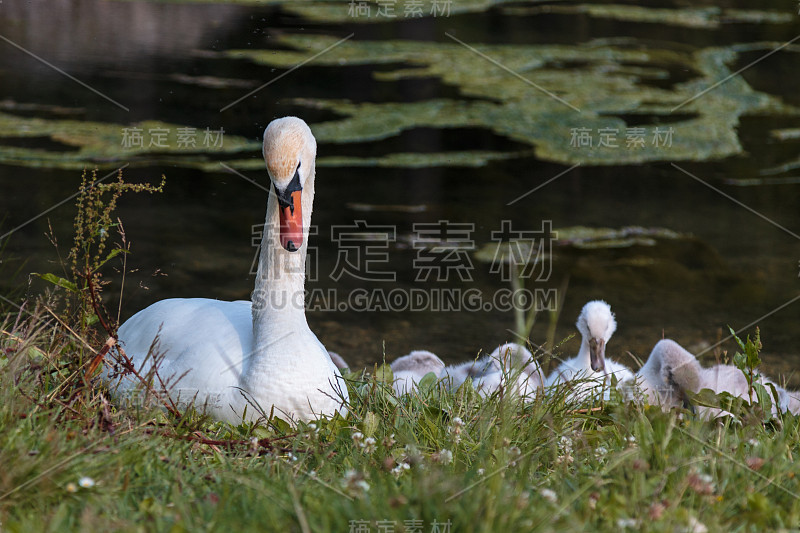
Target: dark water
(197, 236)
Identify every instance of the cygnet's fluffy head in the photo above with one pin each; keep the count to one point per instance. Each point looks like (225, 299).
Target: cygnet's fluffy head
(512, 354)
(338, 360)
(597, 321)
(418, 361)
(596, 324)
(515, 351)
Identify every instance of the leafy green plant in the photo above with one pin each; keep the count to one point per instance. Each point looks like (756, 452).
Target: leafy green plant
(748, 360)
(93, 248)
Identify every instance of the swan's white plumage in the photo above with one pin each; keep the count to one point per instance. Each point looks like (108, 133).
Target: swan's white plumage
(232, 356)
(597, 324)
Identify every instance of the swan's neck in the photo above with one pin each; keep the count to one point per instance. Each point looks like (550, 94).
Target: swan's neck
(278, 297)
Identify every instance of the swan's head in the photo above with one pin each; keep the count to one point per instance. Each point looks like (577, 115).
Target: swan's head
(289, 151)
(596, 324)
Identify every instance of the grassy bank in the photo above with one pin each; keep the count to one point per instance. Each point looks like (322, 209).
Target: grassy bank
(72, 461)
(434, 461)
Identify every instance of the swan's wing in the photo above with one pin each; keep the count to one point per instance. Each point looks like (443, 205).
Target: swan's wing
(200, 341)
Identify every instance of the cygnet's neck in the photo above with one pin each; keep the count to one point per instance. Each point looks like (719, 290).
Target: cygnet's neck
(652, 367)
(584, 356)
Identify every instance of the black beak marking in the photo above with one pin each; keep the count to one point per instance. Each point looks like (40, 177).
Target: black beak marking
(285, 197)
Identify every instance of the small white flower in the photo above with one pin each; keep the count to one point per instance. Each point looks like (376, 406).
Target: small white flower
(705, 478)
(549, 495)
(600, 451)
(312, 473)
(455, 428)
(514, 453)
(368, 445)
(565, 443)
(71, 487)
(481, 471)
(624, 523)
(696, 526)
(753, 442)
(291, 456)
(86, 482)
(355, 483)
(357, 437)
(631, 440)
(443, 456)
(398, 470)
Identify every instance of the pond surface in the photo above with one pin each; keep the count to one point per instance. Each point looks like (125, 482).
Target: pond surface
(415, 125)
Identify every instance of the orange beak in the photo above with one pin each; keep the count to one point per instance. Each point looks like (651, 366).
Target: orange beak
(291, 222)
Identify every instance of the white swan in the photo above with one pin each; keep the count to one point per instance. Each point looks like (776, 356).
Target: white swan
(409, 369)
(671, 371)
(596, 324)
(229, 357)
(510, 366)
